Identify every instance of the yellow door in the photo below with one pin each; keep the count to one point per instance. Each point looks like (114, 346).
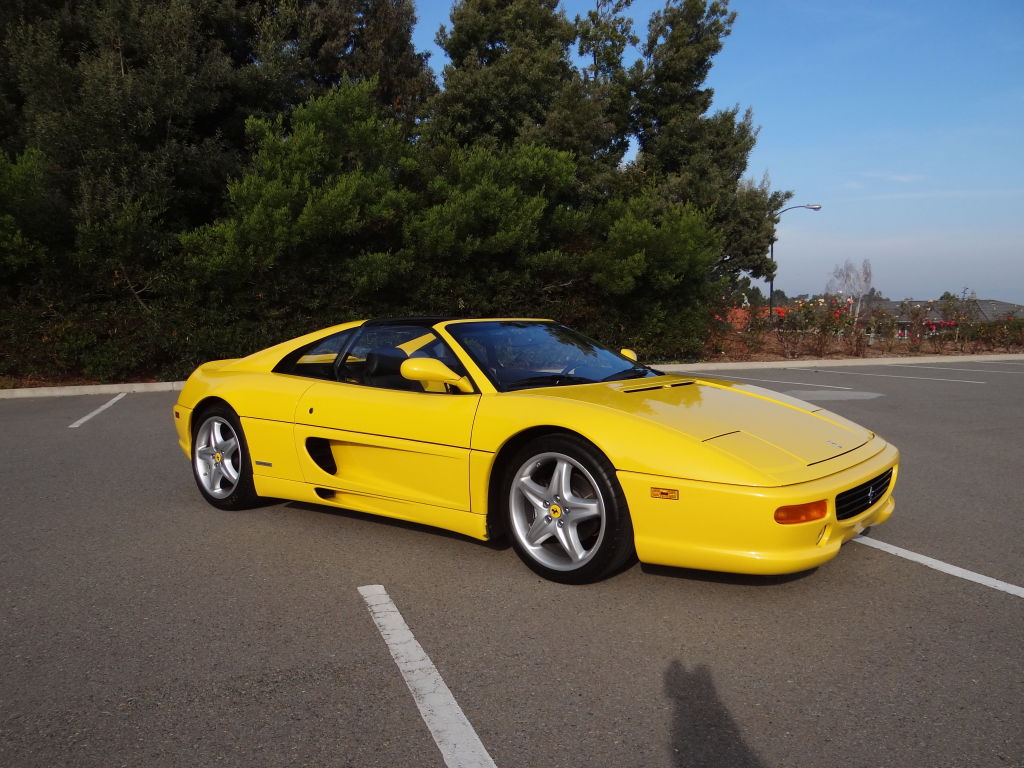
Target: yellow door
(389, 443)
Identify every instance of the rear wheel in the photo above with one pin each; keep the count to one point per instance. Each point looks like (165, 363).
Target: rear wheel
(565, 510)
(220, 460)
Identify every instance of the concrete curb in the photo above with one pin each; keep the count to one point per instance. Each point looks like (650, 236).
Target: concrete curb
(91, 389)
(923, 360)
(173, 386)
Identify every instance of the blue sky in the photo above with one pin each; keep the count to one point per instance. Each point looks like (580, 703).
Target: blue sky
(903, 119)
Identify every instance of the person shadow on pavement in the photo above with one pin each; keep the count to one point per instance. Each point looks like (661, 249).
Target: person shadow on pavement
(704, 734)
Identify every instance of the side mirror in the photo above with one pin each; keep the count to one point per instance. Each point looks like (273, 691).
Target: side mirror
(628, 353)
(433, 371)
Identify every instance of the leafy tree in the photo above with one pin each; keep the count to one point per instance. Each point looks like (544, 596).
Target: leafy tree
(671, 101)
(603, 36)
(382, 50)
(749, 229)
(511, 79)
(315, 223)
(27, 218)
(509, 65)
(605, 86)
(141, 106)
(700, 157)
(302, 48)
(652, 265)
(276, 163)
(118, 95)
(131, 116)
(489, 225)
(501, 230)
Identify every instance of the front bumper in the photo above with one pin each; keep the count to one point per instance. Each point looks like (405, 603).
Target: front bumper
(732, 528)
(182, 426)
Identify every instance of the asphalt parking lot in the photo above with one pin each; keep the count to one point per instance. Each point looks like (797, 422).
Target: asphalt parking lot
(142, 627)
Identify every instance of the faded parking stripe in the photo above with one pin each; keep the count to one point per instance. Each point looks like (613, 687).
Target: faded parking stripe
(98, 411)
(452, 732)
(938, 565)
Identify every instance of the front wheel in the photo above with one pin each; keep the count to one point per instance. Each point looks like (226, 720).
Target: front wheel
(220, 460)
(565, 510)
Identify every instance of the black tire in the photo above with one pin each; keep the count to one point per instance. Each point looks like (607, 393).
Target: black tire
(564, 510)
(220, 459)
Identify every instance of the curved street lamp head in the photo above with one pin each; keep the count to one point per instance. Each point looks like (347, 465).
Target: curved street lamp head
(809, 206)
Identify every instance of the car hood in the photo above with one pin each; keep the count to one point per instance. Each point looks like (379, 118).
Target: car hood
(764, 429)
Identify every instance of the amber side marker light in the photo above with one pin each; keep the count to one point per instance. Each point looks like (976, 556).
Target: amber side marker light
(801, 513)
(665, 493)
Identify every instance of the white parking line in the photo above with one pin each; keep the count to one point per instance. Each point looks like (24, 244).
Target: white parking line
(893, 376)
(777, 381)
(98, 411)
(454, 736)
(938, 565)
(965, 370)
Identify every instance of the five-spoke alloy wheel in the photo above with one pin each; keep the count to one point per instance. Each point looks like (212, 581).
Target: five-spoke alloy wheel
(565, 510)
(219, 460)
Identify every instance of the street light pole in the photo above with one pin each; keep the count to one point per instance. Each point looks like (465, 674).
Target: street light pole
(771, 252)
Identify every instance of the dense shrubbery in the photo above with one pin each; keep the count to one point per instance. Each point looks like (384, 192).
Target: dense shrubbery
(828, 325)
(193, 180)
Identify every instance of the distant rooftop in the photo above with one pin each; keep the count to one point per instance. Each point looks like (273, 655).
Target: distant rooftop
(984, 310)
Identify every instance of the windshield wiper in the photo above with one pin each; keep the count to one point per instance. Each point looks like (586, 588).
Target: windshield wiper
(636, 372)
(549, 380)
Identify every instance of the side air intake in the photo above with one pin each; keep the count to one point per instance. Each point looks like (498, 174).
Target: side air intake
(319, 451)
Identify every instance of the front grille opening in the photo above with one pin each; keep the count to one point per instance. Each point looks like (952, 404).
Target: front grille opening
(856, 500)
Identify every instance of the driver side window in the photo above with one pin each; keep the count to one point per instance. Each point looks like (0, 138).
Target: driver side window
(375, 358)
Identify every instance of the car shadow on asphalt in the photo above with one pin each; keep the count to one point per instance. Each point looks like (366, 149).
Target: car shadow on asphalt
(714, 577)
(704, 734)
(499, 543)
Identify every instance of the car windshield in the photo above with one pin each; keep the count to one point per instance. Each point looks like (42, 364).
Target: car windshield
(519, 354)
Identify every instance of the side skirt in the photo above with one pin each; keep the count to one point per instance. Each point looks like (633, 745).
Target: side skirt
(459, 521)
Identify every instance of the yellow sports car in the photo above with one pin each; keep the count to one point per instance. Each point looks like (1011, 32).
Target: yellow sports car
(527, 429)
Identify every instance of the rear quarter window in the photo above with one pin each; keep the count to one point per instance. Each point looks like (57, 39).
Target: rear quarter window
(316, 360)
